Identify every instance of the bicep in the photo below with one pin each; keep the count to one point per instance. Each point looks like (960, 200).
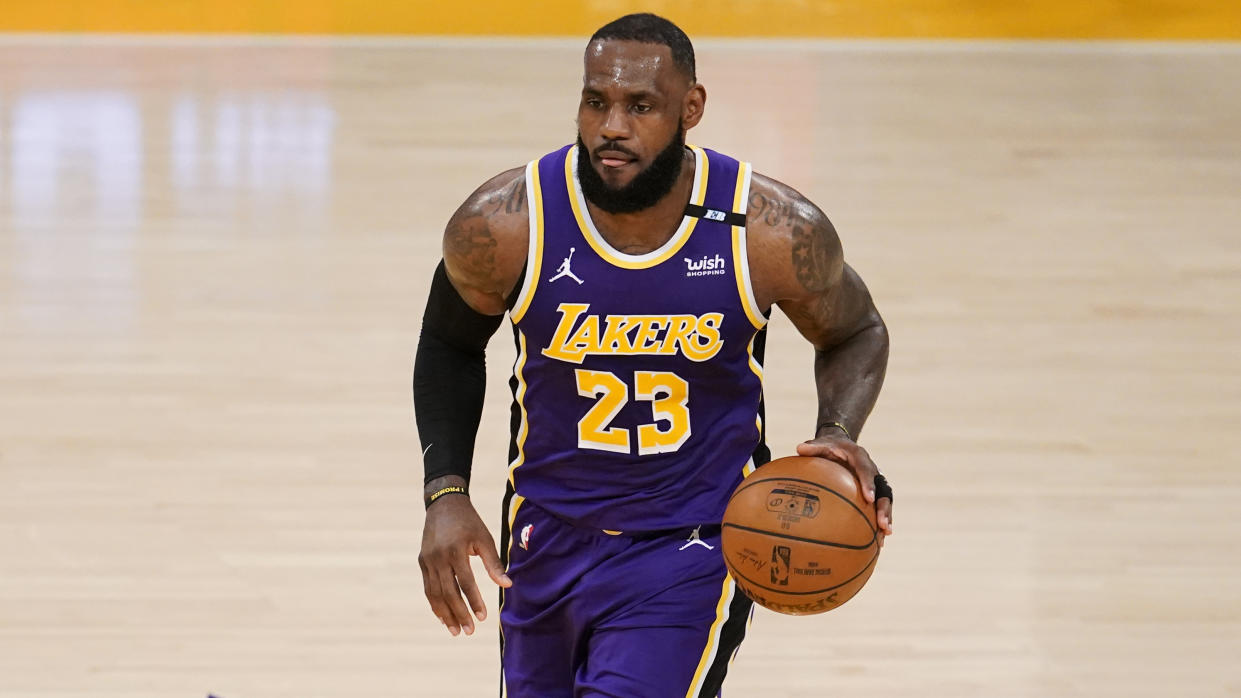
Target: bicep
(824, 297)
(485, 243)
(831, 315)
(470, 264)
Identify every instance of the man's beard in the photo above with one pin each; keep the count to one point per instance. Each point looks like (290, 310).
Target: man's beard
(644, 190)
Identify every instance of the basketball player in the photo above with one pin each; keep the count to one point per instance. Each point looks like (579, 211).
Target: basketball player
(639, 274)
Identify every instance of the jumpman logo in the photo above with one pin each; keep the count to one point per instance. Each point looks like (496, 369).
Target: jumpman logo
(564, 269)
(694, 538)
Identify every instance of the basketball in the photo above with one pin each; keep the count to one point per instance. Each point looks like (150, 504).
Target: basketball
(798, 537)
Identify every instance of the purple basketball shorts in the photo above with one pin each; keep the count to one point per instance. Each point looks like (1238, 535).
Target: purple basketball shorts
(591, 614)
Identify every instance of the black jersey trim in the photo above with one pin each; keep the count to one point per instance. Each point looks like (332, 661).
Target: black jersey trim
(731, 635)
(714, 214)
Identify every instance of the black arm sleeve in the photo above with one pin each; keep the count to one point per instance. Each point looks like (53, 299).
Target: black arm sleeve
(450, 379)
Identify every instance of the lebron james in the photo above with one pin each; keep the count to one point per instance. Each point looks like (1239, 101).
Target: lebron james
(638, 274)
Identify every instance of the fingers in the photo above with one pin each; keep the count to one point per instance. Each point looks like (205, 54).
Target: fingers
(465, 576)
(439, 583)
(491, 561)
(450, 593)
(883, 515)
(848, 454)
(465, 579)
(445, 579)
(866, 471)
(856, 458)
(432, 587)
(823, 450)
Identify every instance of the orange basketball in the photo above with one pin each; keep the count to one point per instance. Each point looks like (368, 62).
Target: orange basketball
(798, 537)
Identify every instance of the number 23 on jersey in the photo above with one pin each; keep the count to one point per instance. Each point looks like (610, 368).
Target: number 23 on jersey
(668, 394)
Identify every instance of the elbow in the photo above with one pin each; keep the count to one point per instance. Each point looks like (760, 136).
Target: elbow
(866, 347)
(879, 329)
(869, 331)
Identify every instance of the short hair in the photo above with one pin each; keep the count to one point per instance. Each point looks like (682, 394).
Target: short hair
(649, 28)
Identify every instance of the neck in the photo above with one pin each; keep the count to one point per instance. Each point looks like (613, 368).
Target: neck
(643, 231)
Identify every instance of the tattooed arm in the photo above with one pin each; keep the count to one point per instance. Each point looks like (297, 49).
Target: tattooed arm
(796, 262)
(485, 242)
(484, 251)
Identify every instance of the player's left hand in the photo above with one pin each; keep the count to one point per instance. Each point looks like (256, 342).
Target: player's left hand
(845, 451)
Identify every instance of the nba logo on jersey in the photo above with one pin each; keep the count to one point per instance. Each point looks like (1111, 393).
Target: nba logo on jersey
(525, 536)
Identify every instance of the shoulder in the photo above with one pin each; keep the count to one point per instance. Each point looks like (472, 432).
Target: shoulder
(792, 246)
(486, 241)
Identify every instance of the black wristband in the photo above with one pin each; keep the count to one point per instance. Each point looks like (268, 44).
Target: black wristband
(882, 488)
(444, 491)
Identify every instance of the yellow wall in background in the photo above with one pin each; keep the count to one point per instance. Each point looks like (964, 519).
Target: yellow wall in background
(1070, 19)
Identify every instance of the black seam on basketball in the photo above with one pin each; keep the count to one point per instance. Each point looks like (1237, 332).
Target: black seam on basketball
(819, 485)
(778, 590)
(873, 531)
(799, 539)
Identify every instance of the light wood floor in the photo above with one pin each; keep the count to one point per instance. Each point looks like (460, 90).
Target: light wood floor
(213, 260)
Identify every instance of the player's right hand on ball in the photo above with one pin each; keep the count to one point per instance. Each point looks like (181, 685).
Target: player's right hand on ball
(843, 450)
(452, 533)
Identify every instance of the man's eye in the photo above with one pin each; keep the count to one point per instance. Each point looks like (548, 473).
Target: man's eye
(641, 108)
(594, 103)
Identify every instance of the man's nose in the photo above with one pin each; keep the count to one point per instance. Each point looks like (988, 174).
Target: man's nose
(616, 124)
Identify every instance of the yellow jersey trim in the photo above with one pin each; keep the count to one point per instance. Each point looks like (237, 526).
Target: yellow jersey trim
(510, 517)
(713, 637)
(611, 254)
(741, 259)
(514, 505)
(757, 369)
(518, 367)
(534, 263)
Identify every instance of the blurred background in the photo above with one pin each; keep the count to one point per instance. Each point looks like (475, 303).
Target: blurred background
(919, 19)
(218, 222)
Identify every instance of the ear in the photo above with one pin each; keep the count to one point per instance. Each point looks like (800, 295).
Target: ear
(693, 105)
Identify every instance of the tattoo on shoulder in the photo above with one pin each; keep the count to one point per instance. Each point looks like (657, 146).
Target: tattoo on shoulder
(471, 242)
(770, 210)
(513, 199)
(812, 252)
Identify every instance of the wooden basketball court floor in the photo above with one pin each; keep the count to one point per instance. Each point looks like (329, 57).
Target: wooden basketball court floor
(213, 260)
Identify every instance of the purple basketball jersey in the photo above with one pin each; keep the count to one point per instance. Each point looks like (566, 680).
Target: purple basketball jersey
(638, 381)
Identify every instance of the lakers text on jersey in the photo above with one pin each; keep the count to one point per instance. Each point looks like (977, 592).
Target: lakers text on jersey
(638, 383)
